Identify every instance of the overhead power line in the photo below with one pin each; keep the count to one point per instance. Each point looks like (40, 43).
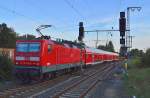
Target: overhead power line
(37, 7)
(63, 28)
(76, 10)
(19, 14)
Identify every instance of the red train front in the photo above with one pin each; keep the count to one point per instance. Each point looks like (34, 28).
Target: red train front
(35, 58)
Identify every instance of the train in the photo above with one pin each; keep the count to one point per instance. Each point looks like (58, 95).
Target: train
(44, 58)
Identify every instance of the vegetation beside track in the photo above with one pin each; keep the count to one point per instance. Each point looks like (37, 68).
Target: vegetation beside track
(138, 81)
(8, 38)
(6, 67)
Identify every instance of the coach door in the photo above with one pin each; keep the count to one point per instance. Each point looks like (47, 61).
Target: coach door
(92, 58)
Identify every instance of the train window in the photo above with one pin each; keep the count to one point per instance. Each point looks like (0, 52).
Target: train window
(34, 47)
(49, 48)
(22, 47)
(28, 47)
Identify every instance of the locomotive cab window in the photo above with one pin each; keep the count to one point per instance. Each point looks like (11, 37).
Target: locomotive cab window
(28, 47)
(49, 48)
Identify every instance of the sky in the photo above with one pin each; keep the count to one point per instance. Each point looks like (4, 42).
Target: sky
(24, 16)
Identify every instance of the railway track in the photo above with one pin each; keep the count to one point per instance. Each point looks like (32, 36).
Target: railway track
(77, 87)
(80, 89)
(19, 91)
(64, 88)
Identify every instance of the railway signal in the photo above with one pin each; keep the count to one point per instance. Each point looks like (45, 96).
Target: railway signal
(122, 41)
(122, 29)
(122, 24)
(81, 31)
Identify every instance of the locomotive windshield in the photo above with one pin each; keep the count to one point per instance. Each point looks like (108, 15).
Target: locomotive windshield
(28, 47)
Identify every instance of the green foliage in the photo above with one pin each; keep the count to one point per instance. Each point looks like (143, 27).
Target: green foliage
(103, 47)
(142, 59)
(134, 62)
(138, 82)
(146, 58)
(136, 53)
(7, 36)
(108, 47)
(6, 67)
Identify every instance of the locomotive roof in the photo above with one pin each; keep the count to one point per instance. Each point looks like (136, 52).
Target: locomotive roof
(61, 42)
(94, 50)
(69, 43)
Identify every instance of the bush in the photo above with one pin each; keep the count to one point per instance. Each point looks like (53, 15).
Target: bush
(6, 67)
(134, 62)
(142, 60)
(146, 59)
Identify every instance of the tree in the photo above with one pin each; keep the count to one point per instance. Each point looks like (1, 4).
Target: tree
(7, 36)
(146, 58)
(136, 53)
(103, 47)
(6, 68)
(108, 47)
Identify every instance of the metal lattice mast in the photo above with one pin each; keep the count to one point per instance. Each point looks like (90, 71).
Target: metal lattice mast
(128, 38)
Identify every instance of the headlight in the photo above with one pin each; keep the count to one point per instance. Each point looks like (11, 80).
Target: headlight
(34, 58)
(20, 58)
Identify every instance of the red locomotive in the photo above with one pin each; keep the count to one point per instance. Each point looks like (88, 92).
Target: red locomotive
(43, 58)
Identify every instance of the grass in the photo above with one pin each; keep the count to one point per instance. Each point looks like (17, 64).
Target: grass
(138, 82)
(134, 62)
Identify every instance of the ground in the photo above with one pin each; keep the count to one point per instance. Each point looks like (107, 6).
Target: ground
(119, 86)
(7, 84)
(110, 88)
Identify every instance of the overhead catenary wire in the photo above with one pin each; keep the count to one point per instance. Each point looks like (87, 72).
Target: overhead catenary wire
(9, 10)
(114, 17)
(63, 28)
(19, 14)
(58, 20)
(44, 11)
(75, 10)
